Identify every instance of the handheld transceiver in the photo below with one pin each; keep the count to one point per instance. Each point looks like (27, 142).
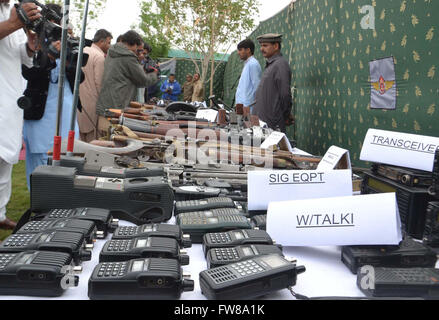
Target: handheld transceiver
(68, 242)
(431, 234)
(36, 273)
(407, 283)
(409, 254)
(85, 169)
(137, 200)
(101, 217)
(87, 228)
(218, 257)
(146, 279)
(152, 247)
(205, 204)
(198, 227)
(214, 213)
(153, 230)
(235, 238)
(249, 279)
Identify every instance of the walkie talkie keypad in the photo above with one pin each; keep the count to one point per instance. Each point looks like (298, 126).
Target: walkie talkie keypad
(235, 238)
(5, 259)
(201, 205)
(112, 269)
(120, 245)
(247, 268)
(127, 231)
(226, 254)
(153, 230)
(35, 226)
(18, 240)
(61, 213)
(220, 237)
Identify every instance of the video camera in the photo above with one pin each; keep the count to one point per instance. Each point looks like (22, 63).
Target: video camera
(48, 31)
(43, 27)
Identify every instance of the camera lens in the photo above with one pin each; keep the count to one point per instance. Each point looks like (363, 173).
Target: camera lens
(24, 103)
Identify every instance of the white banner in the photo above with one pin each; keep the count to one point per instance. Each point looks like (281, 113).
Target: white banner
(347, 221)
(400, 149)
(269, 186)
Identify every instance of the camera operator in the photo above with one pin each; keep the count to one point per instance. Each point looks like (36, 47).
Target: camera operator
(15, 50)
(42, 91)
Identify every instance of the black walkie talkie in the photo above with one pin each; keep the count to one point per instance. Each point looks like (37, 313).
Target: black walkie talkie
(218, 257)
(198, 227)
(68, 242)
(101, 217)
(214, 213)
(202, 205)
(409, 254)
(87, 228)
(145, 279)
(151, 247)
(36, 273)
(154, 230)
(249, 279)
(235, 238)
(397, 282)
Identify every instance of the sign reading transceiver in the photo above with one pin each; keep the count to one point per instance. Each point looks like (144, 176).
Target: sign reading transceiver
(400, 149)
(346, 221)
(269, 186)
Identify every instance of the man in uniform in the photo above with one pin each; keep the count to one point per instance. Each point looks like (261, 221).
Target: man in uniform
(188, 88)
(273, 97)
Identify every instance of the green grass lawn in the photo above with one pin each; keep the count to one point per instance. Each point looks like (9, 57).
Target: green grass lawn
(20, 200)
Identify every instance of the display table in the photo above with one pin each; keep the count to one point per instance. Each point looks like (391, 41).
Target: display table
(325, 276)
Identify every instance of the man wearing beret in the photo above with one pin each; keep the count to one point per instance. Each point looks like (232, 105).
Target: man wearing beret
(273, 97)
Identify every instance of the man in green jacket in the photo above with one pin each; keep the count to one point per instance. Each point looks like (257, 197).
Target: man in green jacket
(123, 74)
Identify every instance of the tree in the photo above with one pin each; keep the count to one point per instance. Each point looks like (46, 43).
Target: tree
(203, 27)
(153, 29)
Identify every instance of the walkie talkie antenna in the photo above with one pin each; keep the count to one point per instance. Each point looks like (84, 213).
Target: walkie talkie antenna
(71, 140)
(61, 81)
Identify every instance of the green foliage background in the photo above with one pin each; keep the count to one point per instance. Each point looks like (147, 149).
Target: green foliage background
(329, 54)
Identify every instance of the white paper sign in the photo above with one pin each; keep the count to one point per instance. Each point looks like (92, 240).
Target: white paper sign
(333, 157)
(207, 114)
(269, 186)
(400, 149)
(356, 220)
(274, 139)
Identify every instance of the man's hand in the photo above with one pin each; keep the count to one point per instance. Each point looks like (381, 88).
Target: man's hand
(57, 46)
(31, 10)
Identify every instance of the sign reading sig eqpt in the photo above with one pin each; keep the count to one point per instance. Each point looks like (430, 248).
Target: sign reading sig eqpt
(269, 186)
